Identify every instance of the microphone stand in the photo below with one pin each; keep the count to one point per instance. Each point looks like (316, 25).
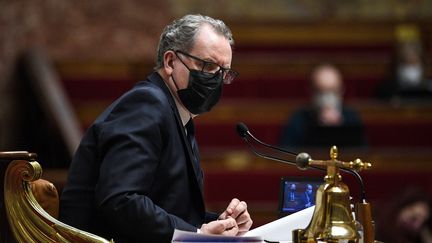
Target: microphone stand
(302, 159)
(259, 154)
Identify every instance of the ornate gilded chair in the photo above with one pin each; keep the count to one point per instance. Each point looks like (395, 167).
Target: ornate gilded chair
(22, 219)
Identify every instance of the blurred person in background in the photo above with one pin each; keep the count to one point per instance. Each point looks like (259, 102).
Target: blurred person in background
(326, 120)
(406, 218)
(410, 69)
(408, 76)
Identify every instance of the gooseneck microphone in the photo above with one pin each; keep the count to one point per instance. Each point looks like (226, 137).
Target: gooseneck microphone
(243, 131)
(302, 159)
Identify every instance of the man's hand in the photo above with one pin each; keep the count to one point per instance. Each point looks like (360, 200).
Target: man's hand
(238, 210)
(221, 227)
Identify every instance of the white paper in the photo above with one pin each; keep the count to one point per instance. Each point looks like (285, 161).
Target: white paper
(281, 230)
(188, 237)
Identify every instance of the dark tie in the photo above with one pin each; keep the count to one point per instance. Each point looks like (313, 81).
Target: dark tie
(191, 137)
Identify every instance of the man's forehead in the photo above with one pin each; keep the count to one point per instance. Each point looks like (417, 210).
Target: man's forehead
(209, 43)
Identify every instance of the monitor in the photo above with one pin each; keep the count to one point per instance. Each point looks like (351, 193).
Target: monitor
(297, 193)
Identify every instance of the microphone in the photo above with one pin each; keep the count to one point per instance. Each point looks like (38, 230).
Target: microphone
(302, 159)
(242, 129)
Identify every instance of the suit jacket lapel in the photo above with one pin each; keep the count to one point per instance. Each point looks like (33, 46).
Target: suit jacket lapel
(156, 79)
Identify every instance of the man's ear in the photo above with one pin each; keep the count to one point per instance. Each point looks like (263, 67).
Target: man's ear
(169, 58)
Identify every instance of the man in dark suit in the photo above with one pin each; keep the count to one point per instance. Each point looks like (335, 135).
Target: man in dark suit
(307, 198)
(136, 175)
(291, 198)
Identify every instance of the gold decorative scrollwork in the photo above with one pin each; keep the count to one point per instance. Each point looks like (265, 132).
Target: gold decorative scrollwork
(27, 220)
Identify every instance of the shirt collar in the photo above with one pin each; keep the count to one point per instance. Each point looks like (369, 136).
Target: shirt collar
(185, 115)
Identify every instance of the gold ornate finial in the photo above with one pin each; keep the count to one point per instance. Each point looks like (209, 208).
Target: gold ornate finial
(359, 165)
(333, 152)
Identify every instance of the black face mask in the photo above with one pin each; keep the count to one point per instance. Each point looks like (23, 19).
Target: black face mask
(203, 92)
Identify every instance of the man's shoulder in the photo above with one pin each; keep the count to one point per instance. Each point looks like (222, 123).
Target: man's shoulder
(153, 87)
(145, 97)
(151, 90)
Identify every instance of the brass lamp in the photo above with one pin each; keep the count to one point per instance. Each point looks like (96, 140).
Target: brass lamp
(332, 220)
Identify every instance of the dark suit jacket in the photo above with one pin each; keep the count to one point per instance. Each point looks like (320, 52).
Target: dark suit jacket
(303, 129)
(133, 178)
(307, 200)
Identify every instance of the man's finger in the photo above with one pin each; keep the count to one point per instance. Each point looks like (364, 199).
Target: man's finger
(223, 215)
(231, 232)
(243, 228)
(243, 218)
(228, 223)
(239, 209)
(231, 207)
(231, 227)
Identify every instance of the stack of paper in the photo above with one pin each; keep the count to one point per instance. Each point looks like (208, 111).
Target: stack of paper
(277, 231)
(189, 237)
(281, 230)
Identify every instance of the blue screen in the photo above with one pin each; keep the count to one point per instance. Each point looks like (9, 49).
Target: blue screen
(297, 194)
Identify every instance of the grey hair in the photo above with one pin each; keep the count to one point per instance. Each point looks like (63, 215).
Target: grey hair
(180, 34)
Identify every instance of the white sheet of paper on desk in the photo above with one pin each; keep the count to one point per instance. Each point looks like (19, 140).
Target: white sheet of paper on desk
(281, 230)
(181, 236)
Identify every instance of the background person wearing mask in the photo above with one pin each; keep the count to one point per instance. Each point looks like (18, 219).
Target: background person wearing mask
(326, 120)
(410, 68)
(408, 77)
